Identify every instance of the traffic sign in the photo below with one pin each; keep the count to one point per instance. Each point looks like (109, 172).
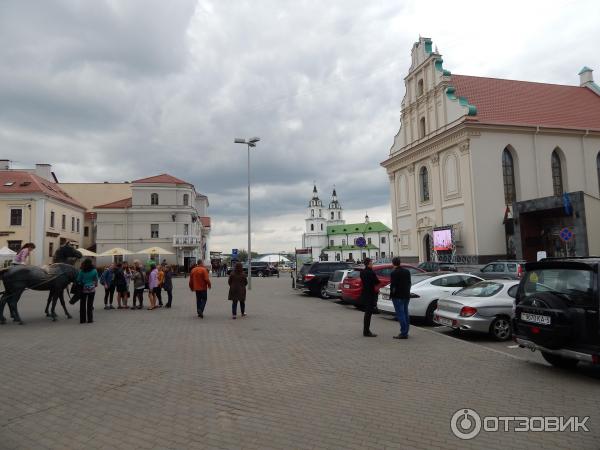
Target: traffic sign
(234, 252)
(566, 235)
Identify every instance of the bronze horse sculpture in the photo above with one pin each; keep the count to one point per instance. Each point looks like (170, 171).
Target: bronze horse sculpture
(55, 279)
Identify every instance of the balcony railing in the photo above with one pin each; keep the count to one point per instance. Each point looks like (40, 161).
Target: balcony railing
(186, 241)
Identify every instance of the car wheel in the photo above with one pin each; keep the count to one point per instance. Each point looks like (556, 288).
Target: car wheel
(560, 361)
(500, 328)
(429, 314)
(323, 292)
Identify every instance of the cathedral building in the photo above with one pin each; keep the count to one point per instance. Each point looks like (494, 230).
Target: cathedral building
(329, 238)
(486, 168)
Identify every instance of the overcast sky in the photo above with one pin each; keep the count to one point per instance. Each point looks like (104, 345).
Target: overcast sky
(116, 90)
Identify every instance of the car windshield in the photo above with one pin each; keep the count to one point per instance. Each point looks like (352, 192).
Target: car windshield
(337, 276)
(574, 285)
(354, 274)
(482, 289)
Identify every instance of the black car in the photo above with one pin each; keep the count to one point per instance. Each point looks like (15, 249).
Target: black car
(556, 310)
(436, 266)
(259, 269)
(313, 277)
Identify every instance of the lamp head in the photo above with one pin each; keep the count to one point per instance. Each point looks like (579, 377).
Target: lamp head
(239, 141)
(254, 140)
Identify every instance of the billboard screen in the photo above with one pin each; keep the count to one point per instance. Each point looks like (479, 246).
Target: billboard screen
(442, 239)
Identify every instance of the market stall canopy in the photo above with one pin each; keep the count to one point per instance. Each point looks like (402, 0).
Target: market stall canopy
(155, 251)
(85, 252)
(115, 252)
(273, 258)
(5, 251)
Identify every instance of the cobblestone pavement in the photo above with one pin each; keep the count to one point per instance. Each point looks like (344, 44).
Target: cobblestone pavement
(295, 374)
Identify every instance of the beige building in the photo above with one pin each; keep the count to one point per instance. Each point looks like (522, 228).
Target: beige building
(33, 208)
(504, 165)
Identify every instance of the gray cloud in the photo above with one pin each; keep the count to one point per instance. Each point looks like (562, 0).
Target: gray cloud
(113, 90)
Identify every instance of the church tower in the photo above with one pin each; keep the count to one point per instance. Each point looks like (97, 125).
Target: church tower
(334, 212)
(315, 236)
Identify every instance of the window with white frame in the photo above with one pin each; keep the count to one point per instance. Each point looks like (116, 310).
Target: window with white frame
(73, 224)
(383, 239)
(63, 221)
(78, 225)
(186, 199)
(52, 219)
(154, 230)
(154, 198)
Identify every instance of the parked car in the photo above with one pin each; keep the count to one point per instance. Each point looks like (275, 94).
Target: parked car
(436, 266)
(486, 307)
(352, 285)
(426, 290)
(556, 310)
(334, 285)
(259, 269)
(501, 270)
(313, 277)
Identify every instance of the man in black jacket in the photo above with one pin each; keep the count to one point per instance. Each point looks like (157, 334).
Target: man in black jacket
(369, 295)
(400, 294)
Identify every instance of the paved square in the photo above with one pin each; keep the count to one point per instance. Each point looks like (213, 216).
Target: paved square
(295, 374)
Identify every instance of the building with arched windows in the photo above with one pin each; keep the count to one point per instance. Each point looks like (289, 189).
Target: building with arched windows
(504, 164)
(329, 238)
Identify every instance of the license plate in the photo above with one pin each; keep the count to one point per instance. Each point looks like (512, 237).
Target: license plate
(536, 318)
(346, 286)
(444, 321)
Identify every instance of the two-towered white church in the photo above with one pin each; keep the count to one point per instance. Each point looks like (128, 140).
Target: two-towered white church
(330, 238)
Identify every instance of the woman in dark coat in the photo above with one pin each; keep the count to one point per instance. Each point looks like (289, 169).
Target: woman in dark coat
(368, 295)
(237, 290)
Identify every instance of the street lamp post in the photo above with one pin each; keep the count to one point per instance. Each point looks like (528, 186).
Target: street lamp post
(250, 143)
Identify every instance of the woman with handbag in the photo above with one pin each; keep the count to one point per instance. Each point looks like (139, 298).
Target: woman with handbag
(87, 280)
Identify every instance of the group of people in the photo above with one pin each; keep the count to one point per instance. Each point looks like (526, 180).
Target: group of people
(400, 284)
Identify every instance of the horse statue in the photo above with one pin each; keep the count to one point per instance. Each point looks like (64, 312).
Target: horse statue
(55, 279)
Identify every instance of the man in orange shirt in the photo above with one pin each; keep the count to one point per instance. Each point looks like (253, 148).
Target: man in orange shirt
(200, 283)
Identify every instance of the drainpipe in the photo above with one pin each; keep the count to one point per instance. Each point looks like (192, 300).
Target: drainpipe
(585, 189)
(535, 161)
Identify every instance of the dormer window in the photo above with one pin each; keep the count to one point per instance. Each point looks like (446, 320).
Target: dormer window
(420, 87)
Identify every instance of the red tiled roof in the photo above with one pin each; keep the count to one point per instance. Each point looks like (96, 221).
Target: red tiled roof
(21, 182)
(205, 221)
(528, 103)
(163, 178)
(119, 204)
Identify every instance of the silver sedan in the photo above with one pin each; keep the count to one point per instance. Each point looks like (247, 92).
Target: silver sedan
(485, 307)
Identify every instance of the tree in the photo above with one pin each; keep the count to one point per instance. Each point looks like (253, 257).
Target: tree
(243, 255)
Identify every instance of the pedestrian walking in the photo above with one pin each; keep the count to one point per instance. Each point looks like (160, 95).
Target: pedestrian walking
(107, 280)
(237, 290)
(23, 254)
(87, 279)
(200, 283)
(224, 269)
(139, 283)
(152, 285)
(400, 284)
(120, 285)
(168, 285)
(368, 295)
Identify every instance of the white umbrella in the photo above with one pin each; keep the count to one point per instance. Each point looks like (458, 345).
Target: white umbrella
(115, 252)
(5, 251)
(155, 251)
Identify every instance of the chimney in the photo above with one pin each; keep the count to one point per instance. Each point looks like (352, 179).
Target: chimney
(4, 164)
(585, 76)
(44, 171)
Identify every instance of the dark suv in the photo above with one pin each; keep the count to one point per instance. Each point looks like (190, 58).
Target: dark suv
(313, 277)
(556, 310)
(259, 269)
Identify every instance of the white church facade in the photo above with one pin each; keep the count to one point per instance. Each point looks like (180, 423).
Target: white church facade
(505, 165)
(329, 238)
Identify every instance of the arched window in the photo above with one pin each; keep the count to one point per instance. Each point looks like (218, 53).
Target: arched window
(508, 176)
(598, 168)
(186, 199)
(557, 178)
(339, 215)
(422, 130)
(321, 227)
(420, 87)
(424, 183)
(154, 199)
(312, 227)
(332, 215)
(312, 213)
(320, 212)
